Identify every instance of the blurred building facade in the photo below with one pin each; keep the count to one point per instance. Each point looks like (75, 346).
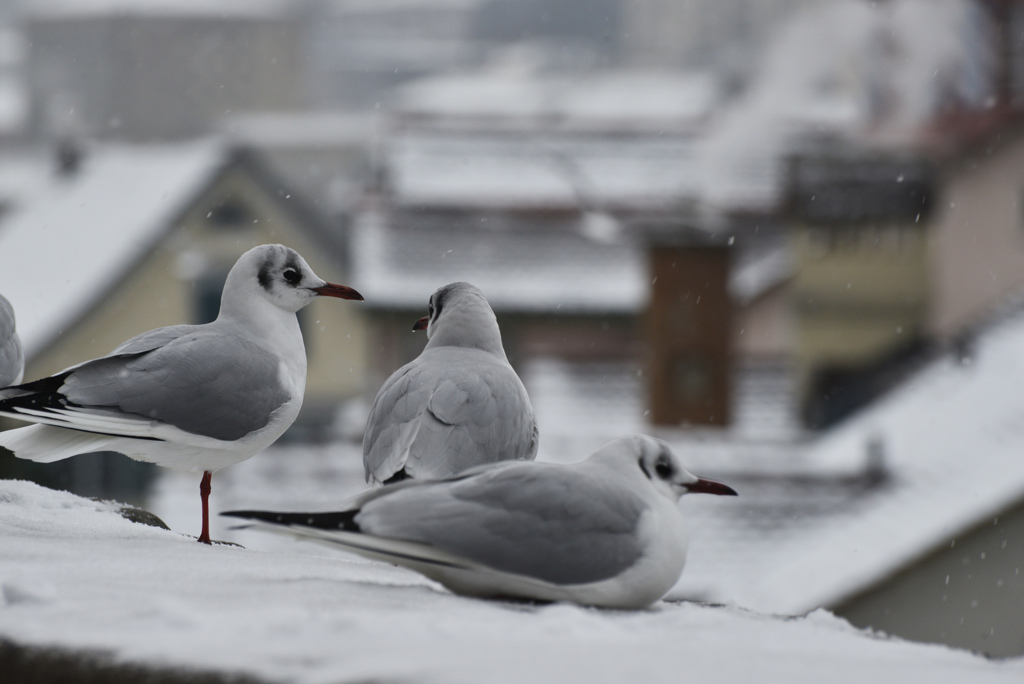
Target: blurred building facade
(861, 275)
(162, 71)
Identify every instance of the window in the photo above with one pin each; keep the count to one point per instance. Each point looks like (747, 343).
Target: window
(206, 300)
(230, 214)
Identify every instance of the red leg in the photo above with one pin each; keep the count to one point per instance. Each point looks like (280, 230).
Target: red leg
(204, 492)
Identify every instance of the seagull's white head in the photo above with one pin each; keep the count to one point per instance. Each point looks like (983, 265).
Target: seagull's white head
(458, 315)
(279, 275)
(659, 464)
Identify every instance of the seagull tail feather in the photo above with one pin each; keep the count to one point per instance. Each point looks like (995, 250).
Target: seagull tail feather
(341, 520)
(341, 529)
(46, 444)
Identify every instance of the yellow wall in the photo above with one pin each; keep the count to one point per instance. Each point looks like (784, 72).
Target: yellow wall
(859, 292)
(149, 297)
(854, 266)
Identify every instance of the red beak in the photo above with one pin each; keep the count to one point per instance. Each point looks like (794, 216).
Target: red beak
(702, 486)
(339, 291)
(421, 324)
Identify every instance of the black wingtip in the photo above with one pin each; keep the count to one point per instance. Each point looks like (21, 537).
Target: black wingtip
(340, 520)
(400, 476)
(38, 394)
(252, 515)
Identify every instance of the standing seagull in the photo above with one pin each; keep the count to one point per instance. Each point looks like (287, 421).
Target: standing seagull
(603, 532)
(12, 359)
(458, 404)
(191, 397)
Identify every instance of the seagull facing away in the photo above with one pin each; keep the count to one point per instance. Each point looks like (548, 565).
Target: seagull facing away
(190, 397)
(603, 532)
(458, 404)
(12, 358)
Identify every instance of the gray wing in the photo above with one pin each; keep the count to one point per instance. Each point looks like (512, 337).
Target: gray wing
(450, 409)
(559, 524)
(12, 358)
(215, 385)
(154, 339)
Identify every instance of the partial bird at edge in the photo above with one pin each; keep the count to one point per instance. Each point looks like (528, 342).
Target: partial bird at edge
(12, 356)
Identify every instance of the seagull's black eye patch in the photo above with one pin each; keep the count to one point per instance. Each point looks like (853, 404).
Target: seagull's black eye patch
(437, 300)
(663, 467)
(291, 276)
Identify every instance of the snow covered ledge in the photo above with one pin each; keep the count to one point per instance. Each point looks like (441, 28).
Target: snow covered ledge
(76, 575)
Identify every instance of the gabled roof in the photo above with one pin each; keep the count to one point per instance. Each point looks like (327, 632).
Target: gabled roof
(69, 239)
(950, 441)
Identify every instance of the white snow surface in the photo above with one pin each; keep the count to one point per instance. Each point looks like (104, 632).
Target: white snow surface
(74, 574)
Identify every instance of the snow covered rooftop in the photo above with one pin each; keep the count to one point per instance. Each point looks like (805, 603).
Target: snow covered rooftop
(318, 129)
(650, 171)
(518, 270)
(68, 239)
(639, 100)
(951, 440)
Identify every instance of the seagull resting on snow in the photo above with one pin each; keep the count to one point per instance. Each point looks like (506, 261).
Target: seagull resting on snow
(12, 358)
(458, 404)
(604, 532)
(190, 397)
